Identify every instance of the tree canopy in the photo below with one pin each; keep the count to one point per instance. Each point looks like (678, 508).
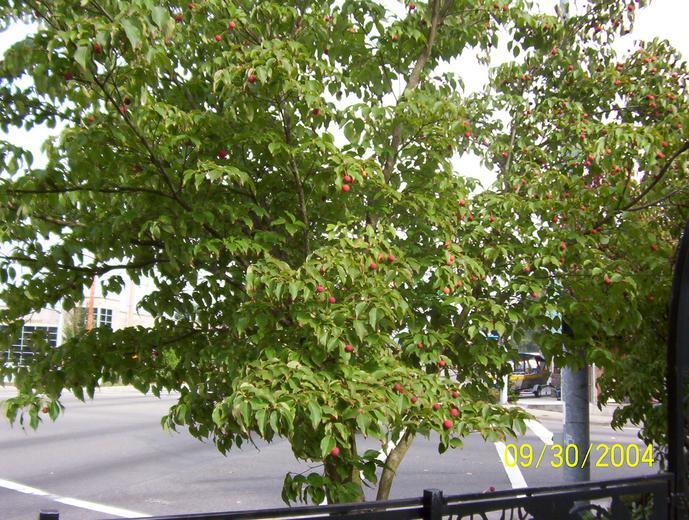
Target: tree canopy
(285, 173)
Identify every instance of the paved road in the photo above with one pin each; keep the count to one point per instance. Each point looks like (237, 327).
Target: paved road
(110, 459)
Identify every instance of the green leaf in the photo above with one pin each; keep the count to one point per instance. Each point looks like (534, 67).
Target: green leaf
(83, 56)
(315, 413)
(360, 329)
(160, 16)
(327, 444)
(373, 317)
(133, 33)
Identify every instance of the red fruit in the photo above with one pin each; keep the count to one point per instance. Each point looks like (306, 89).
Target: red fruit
(563, 246)
(335, 452)
(381, 257)
(447, 424)
(526, 269)
(414, 399)
(190, 6)
(660, 155)
(630, 7)
(394, 37)
(179, 18)
(349, 348)
(218, 37)
(654, 247)
(397, 388)
(436, 406)
(454, 412)
(505, 155)
(69, 75)
(570, 67)
(97, 48)
(231, 25)
(332, 299)
(446, 290)
(467, 134)
(617, 82)
(441, 363)
(553, 51)
(455, 394)
(391, 258)
(222, 153)
(44, 409)
(347, 179)
(372, 266)
(419, 344)
(491, 218)
(607, 280)
(123, 109)
(451, 260)
(462, 202)
(346, 187)
(316, 112)
(534, 295)
(91, 118)
(321, 269)
(412, 6)
(320, 289)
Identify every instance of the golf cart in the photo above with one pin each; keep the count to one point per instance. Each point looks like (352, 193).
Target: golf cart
(531, 374)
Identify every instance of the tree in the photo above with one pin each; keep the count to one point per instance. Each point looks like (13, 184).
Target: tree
(596, 149)
(322, 270)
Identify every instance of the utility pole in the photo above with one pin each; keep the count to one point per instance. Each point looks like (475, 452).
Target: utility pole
(575, 422)
(575, 417)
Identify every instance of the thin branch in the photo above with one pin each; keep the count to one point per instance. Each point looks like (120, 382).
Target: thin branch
(656, 179)
(659, 200)
(412, 83)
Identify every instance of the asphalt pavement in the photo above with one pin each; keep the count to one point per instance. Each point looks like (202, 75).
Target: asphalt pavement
(110, 458)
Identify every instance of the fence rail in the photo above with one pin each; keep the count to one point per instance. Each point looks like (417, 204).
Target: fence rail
(606, 499)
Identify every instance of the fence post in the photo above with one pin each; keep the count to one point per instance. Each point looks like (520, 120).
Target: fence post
(432, 504)
(49, 514)
(677, 366)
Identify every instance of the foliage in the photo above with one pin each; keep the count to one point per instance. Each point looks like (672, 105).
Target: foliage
(321, 269)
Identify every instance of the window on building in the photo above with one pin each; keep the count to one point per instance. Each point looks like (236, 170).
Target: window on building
(21, 351)
(101, 317)
(104, 317)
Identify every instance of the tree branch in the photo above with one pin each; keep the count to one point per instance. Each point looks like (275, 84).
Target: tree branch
(437, 14)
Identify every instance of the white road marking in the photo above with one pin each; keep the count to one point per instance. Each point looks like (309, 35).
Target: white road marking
(541, 431)
(83, 504)
(511, 468)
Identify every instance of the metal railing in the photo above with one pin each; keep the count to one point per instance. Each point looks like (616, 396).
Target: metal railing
(622, 499)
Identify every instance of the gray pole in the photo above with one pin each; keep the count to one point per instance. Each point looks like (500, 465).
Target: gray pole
(575, 424)
(575, 418)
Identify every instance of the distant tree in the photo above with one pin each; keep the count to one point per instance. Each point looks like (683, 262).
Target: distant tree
(283, 172)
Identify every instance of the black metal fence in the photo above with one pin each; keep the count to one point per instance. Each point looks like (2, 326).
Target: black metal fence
(623, 499)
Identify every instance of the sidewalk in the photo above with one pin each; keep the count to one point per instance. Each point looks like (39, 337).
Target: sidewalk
(551, 407)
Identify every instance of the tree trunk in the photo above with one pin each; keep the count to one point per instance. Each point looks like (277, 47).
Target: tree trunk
(392, 463)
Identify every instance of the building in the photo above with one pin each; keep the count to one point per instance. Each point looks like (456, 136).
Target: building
(114, 310)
